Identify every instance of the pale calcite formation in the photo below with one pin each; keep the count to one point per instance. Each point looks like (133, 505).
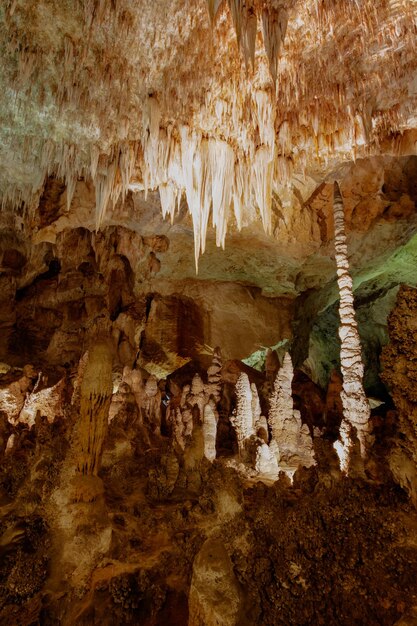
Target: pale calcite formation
(356, 411)
(214, 378)
(47, 402)
(204, 397)
(197, 395)
(281, 402)
(242, 418)
(13, 397)
(210, 420)
(290, 439)
(266, 463)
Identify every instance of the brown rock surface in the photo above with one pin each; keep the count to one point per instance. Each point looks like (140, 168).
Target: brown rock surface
(400, 374)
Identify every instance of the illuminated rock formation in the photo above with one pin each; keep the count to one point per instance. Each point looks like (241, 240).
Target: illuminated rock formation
(290, 439)
(197, 395)
(356, 411)
(281, 402)
(242, 418)
(48, 402)
(13, 397)
(214, 596)
(266, 463)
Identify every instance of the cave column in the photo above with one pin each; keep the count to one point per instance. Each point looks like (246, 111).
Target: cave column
(356, 411)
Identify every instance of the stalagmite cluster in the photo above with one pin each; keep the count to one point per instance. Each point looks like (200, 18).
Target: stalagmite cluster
(290, 439)
(289, 444)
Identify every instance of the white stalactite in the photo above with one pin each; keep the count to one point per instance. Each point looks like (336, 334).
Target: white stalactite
(356, 411)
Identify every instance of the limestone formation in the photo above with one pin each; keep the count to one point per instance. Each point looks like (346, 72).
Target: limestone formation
(242, 418)
(356, 411)
(13, 396)
(152, 404)
(214, 379)
(281, 402)
(266, 463)
(210, 420)
(259, 128)
(290, 439)
(48, 402)
(197, 395)
(95, 397)
(215, 597)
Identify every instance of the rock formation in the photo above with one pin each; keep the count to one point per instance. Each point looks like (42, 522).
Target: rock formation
(290, 439)
(356, 411)
(243, 418)
(210, 419)
(399, 363)
(166, 187)
(95, 397)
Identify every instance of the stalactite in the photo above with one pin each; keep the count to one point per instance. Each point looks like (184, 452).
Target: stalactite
(213, 7)
(274, 26)
(356, 411)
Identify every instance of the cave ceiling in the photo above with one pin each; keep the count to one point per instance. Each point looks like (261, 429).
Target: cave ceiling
(243, 109)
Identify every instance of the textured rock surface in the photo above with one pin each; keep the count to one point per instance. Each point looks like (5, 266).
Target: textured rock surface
(400, 374)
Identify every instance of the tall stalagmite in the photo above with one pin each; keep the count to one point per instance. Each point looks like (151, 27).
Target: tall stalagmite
(356, 410)
(96, 392)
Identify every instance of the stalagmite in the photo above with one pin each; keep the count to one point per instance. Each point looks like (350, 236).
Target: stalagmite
(281, 402)
(291, 440)
(214, 378)
(152, 404)
(197, 395)
(210, 420)
(266, 463)
(356, 411)
(95, 396)
(242, 418)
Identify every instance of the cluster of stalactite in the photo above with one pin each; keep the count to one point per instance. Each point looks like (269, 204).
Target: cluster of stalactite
(257, 127)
